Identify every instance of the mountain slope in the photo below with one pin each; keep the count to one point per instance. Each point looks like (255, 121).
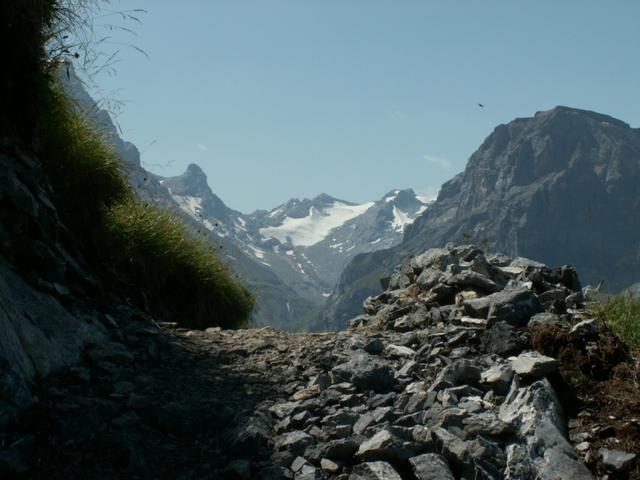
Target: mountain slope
(307, 242)
(562, 186)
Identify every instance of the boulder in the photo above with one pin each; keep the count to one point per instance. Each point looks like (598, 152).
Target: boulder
(533, 364)
(374, 471)
(430, 466)
(366, 373)
(616, 460)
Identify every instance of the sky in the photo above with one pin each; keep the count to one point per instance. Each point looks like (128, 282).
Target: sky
(280, 99)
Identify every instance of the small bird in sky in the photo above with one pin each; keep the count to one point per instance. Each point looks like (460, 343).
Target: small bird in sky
(481, 105)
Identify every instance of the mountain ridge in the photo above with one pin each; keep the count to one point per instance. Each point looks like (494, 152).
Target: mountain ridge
(563, 182)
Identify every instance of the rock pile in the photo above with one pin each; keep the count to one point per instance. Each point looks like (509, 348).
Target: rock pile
(440, 380)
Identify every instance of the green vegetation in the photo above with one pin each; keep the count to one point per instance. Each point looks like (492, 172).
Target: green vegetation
(621, 313)
(156, 251)
(86, 172)
(123, 237)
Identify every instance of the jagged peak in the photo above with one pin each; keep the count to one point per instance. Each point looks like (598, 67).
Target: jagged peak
(194, 170)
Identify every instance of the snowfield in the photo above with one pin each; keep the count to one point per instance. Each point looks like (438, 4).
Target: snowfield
(316, 225)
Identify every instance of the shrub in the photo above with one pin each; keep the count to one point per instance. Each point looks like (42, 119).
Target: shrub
(621, 313)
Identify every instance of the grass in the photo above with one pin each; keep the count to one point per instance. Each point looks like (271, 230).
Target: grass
(155, 249)
(621, 313)
(85, 171)
(151, 248)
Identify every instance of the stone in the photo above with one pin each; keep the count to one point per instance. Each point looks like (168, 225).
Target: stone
(342, 449)
(502, 339)
(282, 410)
(533, 364)
(585, 329)
(616, 460)
(295, 442)
(515, 306)
(321, 381)
(382, 446)
(498, 377)
(544, 318)
(399, 351)
(366, 372)
(362, 423)
(329, 466)
(519, 465)
(307, 393)
(429, 278)
(453, 448)
(307, 472)
(461, 371)
(487, 423)
(375, 346)
(252, 437)
(536, 409)
(474, 280)
(438, 258)
(374, 471)
(298, 463)
(430, 466)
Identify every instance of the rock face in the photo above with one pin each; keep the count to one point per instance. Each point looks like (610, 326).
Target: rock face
(40, 272)
(561, 187)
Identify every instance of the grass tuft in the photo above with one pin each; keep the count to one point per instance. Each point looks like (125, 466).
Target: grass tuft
(86, 173)
(621, 313)
(156, 250)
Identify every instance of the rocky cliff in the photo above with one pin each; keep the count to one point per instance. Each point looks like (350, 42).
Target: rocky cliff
(562, 186)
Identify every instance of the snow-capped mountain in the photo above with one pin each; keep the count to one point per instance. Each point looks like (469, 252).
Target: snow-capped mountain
(305, 242)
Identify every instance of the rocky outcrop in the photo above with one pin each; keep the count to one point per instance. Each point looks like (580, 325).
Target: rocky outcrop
(562, 186)
(40, 273)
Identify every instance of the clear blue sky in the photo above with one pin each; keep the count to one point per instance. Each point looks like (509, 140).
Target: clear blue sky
(290, 98)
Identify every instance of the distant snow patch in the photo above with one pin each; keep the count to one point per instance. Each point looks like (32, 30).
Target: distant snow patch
(426, 199)
(256, 251)
(191, 205)
(400, 219)
(377, 240)
(316, 225)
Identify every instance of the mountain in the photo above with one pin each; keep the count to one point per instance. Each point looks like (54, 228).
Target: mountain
(307, 242)
(291, 256)
(562, 187)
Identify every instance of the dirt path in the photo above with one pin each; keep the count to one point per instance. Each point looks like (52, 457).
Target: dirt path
(157, 404)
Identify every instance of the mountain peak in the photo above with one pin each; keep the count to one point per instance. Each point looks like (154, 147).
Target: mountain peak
(562, 111)
(323, 198)
(192, 182)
